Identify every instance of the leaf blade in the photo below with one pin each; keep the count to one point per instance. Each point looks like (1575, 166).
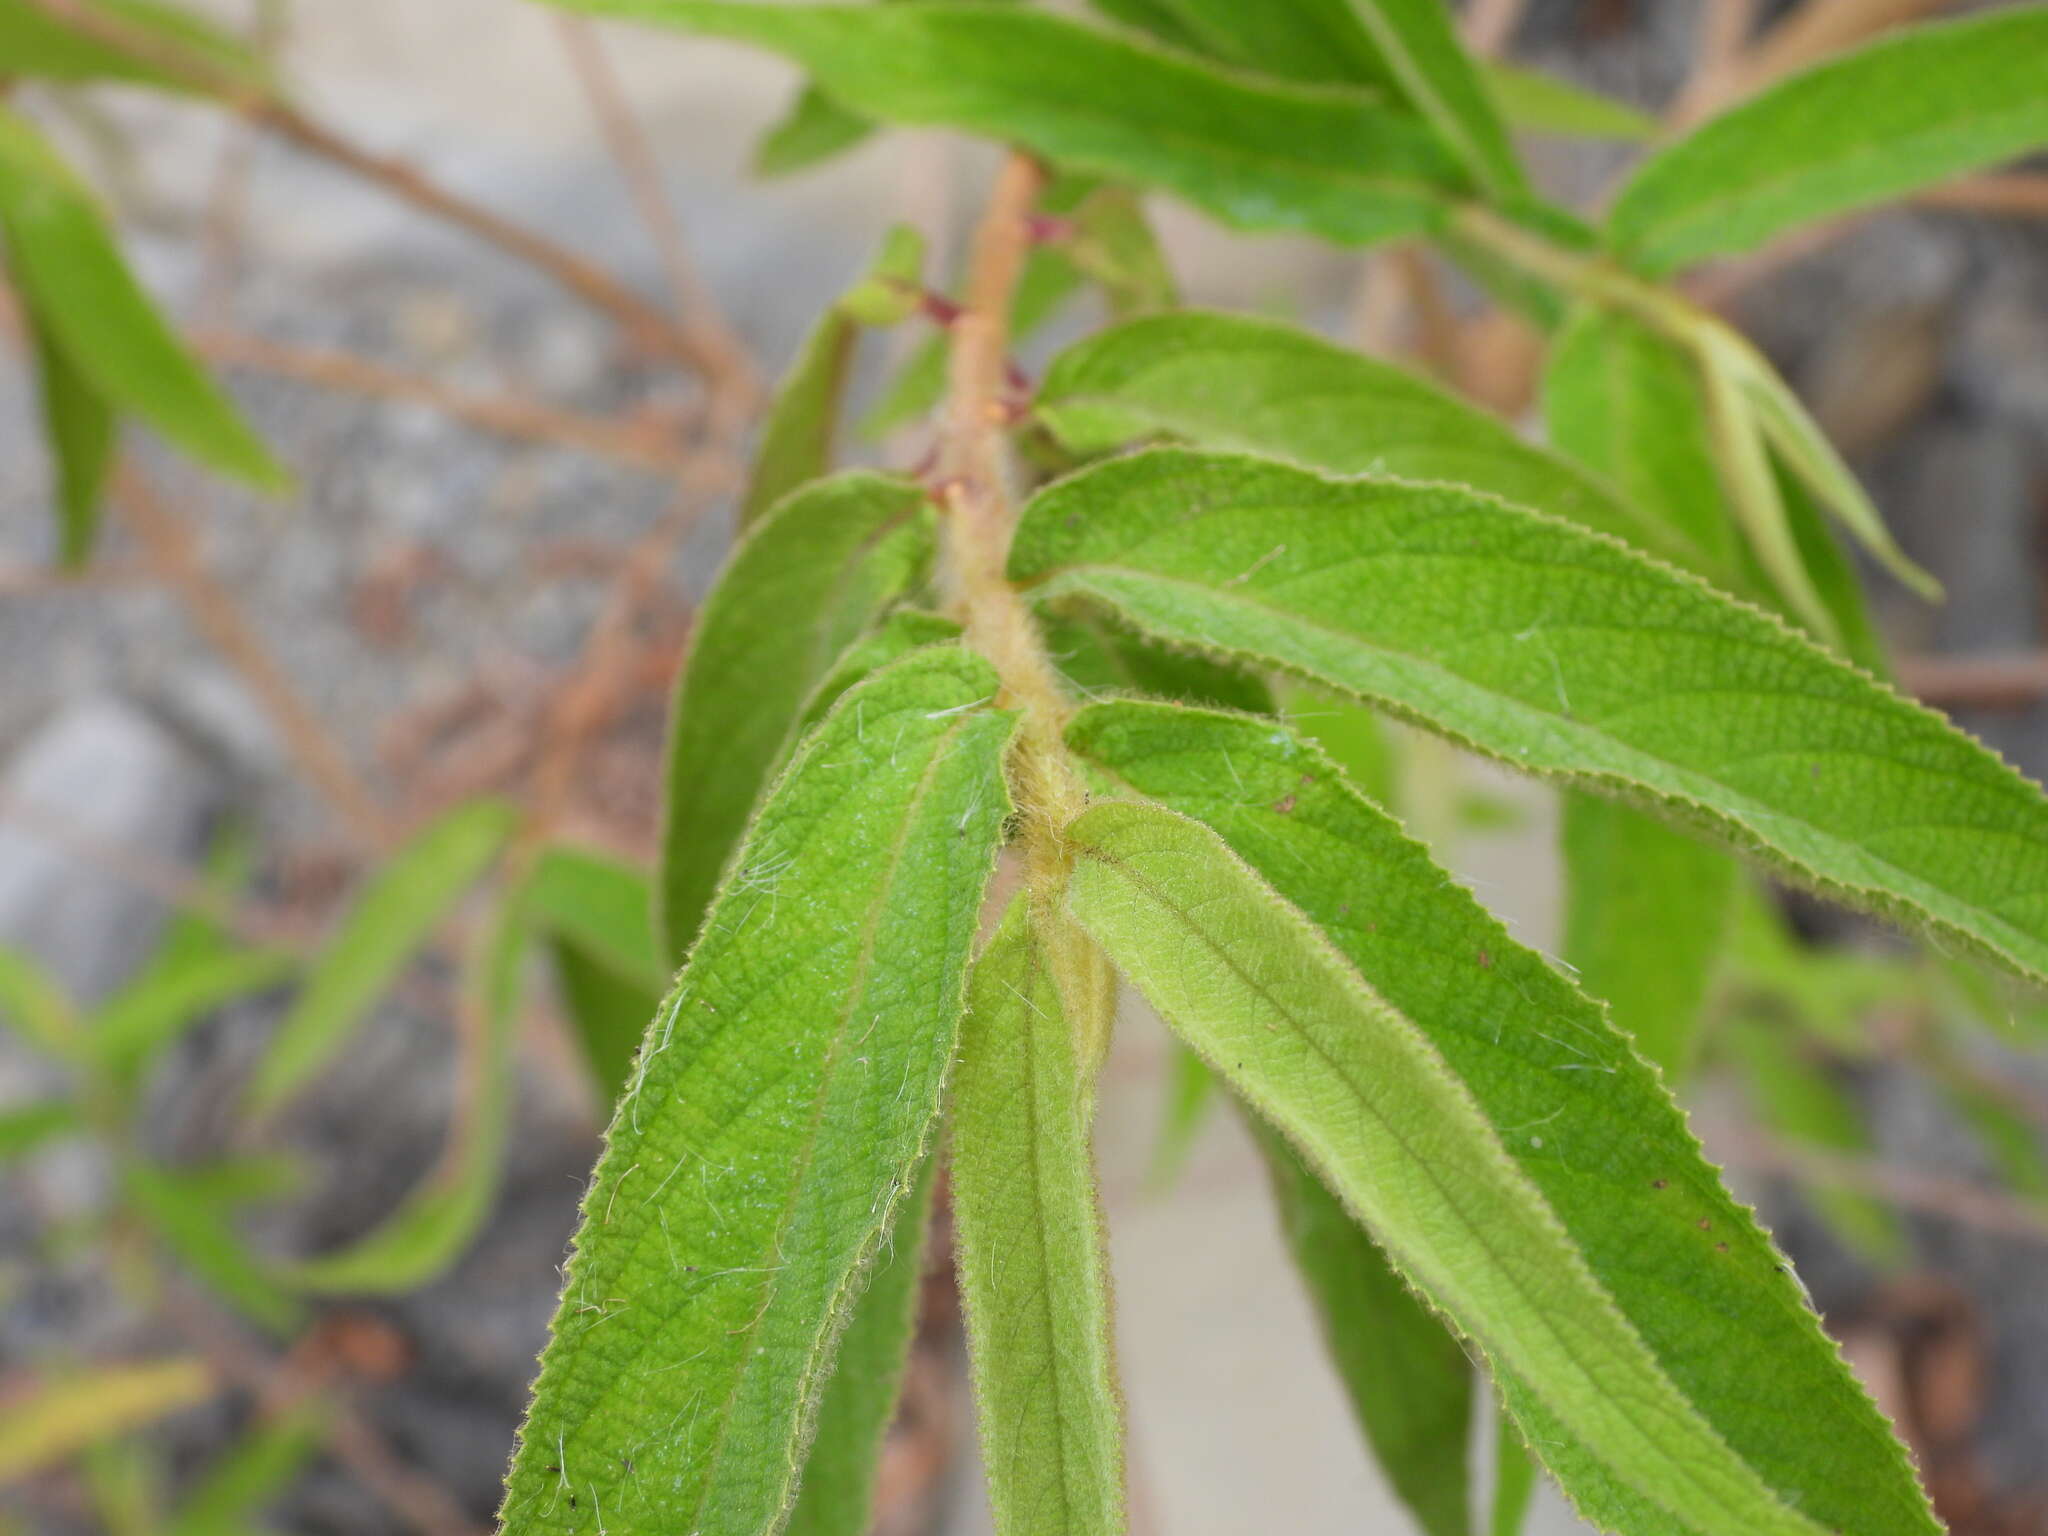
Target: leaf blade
(1586, 1122)
(82, 295)
(1921, 104)
(1565, 655)
(846, 924)
(1244, 977)
(1255, 154)
(1033, 1278)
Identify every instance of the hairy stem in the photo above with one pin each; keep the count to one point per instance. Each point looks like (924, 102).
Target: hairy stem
(974, 486)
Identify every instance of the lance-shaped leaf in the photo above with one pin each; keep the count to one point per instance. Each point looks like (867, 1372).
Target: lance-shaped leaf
(904, 631)
(1587, 1249)
(35, 43)
(195, 1226)
(1646, 908)
(1255, 154)
(1435, 76)
(440, 1216)
(25, 1127)
(81, 430)
(803, 420)
(396, 912)
(1563, 653)
(1319, 41)
(250, 1475)
(837, 1497)
(1583, 1117)
(88, 306)
(1229, 381)
(1406, 1375)
(138, 1021)
(1033, 1275)
(783, 1102)
(1910, 109)
(803, 584)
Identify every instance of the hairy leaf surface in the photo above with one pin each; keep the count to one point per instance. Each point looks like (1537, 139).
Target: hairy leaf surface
(1585, 1121)
(1033, 1274)
(1563, 653)
(803, 584)
(1910, 109)
(395, 913)
(87, 305)
(1405, 1373)
(1230, 381)
(782, 1105)
(1255, 154)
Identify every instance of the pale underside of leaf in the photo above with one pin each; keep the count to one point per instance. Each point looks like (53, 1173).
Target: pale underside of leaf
(1374, 1109)
(1584, 1118)
(1033, 1277)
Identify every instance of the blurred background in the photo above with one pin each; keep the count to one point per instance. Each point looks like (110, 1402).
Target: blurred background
(507, 504)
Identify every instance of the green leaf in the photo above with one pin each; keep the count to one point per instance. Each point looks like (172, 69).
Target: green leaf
(193, 1227)
(1435, 76)
(1255, 154)
(249, 1475)
(1228, 381)
(1317, 41)
(439, 1218)
(1795, 1097)
(1798, 442)
(26, 1127)
(1564, 654)
(73, 280)
(814, 574)
(32, 42)
(81, 429)
(1912, 108)
(1534, 102)
(783, 1103)
(837, 1497)
(68, 1414)
(1646, 909)
(1405, 1373)
(1033, 1275)
(393, 916)
(156, 1008)
(1646, 1439)
(814, 129)
(598, 917)
(602, 906)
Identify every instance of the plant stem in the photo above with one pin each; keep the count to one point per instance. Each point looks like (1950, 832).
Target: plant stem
(1577, 273)
(974, 487)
